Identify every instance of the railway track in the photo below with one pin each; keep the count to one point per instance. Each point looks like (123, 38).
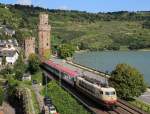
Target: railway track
(122, 106)
(125, 108)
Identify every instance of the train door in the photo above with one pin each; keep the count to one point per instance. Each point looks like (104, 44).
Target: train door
(97, 93)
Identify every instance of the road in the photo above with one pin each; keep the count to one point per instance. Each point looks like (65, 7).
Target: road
(145, 97)
(37, 88)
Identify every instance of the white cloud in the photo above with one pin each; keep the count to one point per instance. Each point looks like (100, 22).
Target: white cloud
(63, 7)
(24, 2)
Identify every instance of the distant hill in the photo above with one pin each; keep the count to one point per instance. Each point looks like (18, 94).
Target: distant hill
(94, 31)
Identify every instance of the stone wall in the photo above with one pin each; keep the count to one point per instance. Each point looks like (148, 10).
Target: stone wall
(44, 36)
(29, 46)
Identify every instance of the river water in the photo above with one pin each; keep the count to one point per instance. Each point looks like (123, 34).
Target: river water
(106, 61)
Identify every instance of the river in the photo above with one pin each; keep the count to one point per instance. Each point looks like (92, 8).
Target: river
(106, 61)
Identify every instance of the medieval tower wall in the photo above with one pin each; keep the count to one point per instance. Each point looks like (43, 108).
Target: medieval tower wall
(44, 36)
(29, 46)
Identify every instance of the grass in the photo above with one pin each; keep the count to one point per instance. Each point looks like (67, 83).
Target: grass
(124, 48)
(101, 33)
(37, 76)
(68, 27)
(35, 103)
(146, 49)
(63, 101)
(141, 105)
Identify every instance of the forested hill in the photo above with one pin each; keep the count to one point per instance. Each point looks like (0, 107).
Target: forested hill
(94, 31)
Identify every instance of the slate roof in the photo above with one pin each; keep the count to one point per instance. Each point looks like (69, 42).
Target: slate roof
(7, 53)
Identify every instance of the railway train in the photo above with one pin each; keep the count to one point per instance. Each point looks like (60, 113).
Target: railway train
(100, 93)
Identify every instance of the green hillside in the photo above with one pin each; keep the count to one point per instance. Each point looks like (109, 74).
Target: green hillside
(94, 31)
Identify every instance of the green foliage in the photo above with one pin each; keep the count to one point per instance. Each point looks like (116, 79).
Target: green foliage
(47, 54)
(33, 62)
(139, 44)
(141, 105)
(13, 84)
(63, 101)
(3, 60)
(37, 76)
(1, 96)
(93, 31)
(55, 42)
(19, 68)
(114, 46)
(66, 50)
(7, 71)
(127, 81)
(146, 24)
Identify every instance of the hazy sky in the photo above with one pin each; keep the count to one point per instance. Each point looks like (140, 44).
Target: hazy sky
(88, 5)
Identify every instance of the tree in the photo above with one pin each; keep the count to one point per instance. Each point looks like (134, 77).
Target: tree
(146, 24)
(4, 60)
(1, 96)
(33, 63)
(19, 67)
(113, 46)
(127, 81)
(66, 50)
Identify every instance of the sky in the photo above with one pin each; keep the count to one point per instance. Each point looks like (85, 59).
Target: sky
(88, 5)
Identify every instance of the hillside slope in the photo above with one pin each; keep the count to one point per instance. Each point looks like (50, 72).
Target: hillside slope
(86, 30)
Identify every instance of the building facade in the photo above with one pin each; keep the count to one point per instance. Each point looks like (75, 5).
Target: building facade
(44, 37)
(29, 46)
(11, 56)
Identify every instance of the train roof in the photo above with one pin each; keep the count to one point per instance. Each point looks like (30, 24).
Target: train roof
(62, 68)
(103, 87)
(108, 89)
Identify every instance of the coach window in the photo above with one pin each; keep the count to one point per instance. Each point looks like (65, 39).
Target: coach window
(62, 74)
(101, 92)
(72, 79)
(65, 75)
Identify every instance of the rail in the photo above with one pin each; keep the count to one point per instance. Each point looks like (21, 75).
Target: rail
(131, 109)
(141, 105)
(122, 106)
(85, 105)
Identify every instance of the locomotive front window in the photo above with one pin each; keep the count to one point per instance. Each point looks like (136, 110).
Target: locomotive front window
(110, 93)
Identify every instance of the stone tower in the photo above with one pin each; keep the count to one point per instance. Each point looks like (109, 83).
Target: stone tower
(44, 37)
(29, 46)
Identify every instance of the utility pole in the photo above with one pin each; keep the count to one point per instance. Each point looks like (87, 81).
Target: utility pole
(46, 82)
(59, 78)
(106, 79)
(6, 5)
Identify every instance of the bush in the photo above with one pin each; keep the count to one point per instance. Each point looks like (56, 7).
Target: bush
(128, 81)
(33, 63)
(1, 96)
(66, 50)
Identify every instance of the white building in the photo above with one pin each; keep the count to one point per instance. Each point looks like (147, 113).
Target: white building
(26, 76)
(11, 56)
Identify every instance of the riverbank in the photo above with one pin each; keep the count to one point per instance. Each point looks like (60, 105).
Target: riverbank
(147, 49)
(107, 60)
(122, 49)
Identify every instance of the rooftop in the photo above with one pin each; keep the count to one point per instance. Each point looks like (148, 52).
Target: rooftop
(7, 53)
